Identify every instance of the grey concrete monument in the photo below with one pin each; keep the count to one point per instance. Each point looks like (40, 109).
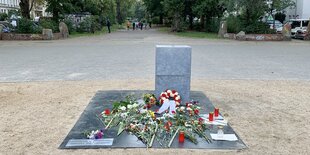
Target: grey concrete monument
(223, 29)
(173, 70)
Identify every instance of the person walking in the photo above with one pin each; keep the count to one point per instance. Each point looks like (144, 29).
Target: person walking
(128, 25)
(141, 25)
(133, 26)
(109, 25)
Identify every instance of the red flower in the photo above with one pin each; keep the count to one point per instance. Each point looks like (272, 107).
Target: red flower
(164, 95)
(148, 106)
(173, 112)
(169, 123)
(200, 119)
(161, 101)
(187, 104)
(156, 110)
(173, 91)
(107, 112)
(168, 94)
(196, 111)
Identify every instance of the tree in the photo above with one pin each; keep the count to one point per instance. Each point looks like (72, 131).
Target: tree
(155, 8)
(59, 7)
(206, 9)
(174, 10)
(27, 5)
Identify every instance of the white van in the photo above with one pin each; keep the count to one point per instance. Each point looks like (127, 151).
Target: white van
(298, 25)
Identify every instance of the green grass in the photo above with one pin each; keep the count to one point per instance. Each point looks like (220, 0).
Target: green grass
(190, 34)
(97, 33)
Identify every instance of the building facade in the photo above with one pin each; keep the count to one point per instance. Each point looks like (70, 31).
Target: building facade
(301, 11)
(6, 5)
(38, 10)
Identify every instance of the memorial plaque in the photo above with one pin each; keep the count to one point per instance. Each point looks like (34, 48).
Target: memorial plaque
(89, 142)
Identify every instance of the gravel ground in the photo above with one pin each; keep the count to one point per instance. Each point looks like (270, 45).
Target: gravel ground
(270, 116)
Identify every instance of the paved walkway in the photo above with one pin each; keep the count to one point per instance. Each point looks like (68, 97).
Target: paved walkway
(131, 55)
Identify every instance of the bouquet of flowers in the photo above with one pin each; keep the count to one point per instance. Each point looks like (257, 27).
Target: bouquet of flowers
(136, 118)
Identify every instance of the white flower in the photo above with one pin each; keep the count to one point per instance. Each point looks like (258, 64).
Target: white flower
(163, 98)
(177, 98)
(129, 106)
(123, 108)
(123, 115)
(169, 91)
(176, 93)
(198, 107)
(135, 105)
(188, 108)
(182, 108)
(172, 95)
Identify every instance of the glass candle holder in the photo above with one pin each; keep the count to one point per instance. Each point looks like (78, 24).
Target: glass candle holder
(181, 137)
(211, 116)
(220, 132)
(216, 112)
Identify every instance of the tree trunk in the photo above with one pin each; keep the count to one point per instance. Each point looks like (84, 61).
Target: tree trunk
(202, 23)
(24, 8)
(191, 20)
(118, 12)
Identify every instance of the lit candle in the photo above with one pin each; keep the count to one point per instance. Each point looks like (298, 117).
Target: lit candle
(211, 116)
(181, 137)
(216, 112)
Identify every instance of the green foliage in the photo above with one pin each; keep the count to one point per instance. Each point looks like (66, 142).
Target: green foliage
(174, 10)
(25, 25)
(130, 99)
(233, 24)
(3, 16)
(156, 20)
(70, 25)
(59, 7)
(258, 28)
(89, 24)
(213, 25)
(49, 24)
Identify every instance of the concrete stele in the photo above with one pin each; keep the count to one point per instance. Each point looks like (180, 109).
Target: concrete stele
(173, 69)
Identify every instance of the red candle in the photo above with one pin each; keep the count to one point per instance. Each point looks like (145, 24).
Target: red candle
(181, 137)
(211, 116)
(216, 112)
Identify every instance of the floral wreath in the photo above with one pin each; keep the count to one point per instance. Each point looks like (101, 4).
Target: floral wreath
(170, 95)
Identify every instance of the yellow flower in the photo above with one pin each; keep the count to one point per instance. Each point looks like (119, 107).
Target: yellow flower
(152, 114)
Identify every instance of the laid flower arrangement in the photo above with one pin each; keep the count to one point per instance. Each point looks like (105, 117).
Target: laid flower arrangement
(135, 117)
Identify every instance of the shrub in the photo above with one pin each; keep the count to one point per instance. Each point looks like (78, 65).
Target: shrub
(27, 26)
(89, 24)
(213, 25)
(258, 28)
(49, 24)
(233, 24)
(70, 24)
(3, 16)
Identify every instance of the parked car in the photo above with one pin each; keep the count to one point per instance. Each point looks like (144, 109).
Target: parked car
(301, 34)
(278, 25)
(298, 25)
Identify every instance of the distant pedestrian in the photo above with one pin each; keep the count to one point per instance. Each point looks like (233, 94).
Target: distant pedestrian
(141, 25)
(128, 25)
(133, 26)
(150, 24)
(109, 25)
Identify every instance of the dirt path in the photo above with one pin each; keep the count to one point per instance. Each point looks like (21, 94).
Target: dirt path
(270, 116)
